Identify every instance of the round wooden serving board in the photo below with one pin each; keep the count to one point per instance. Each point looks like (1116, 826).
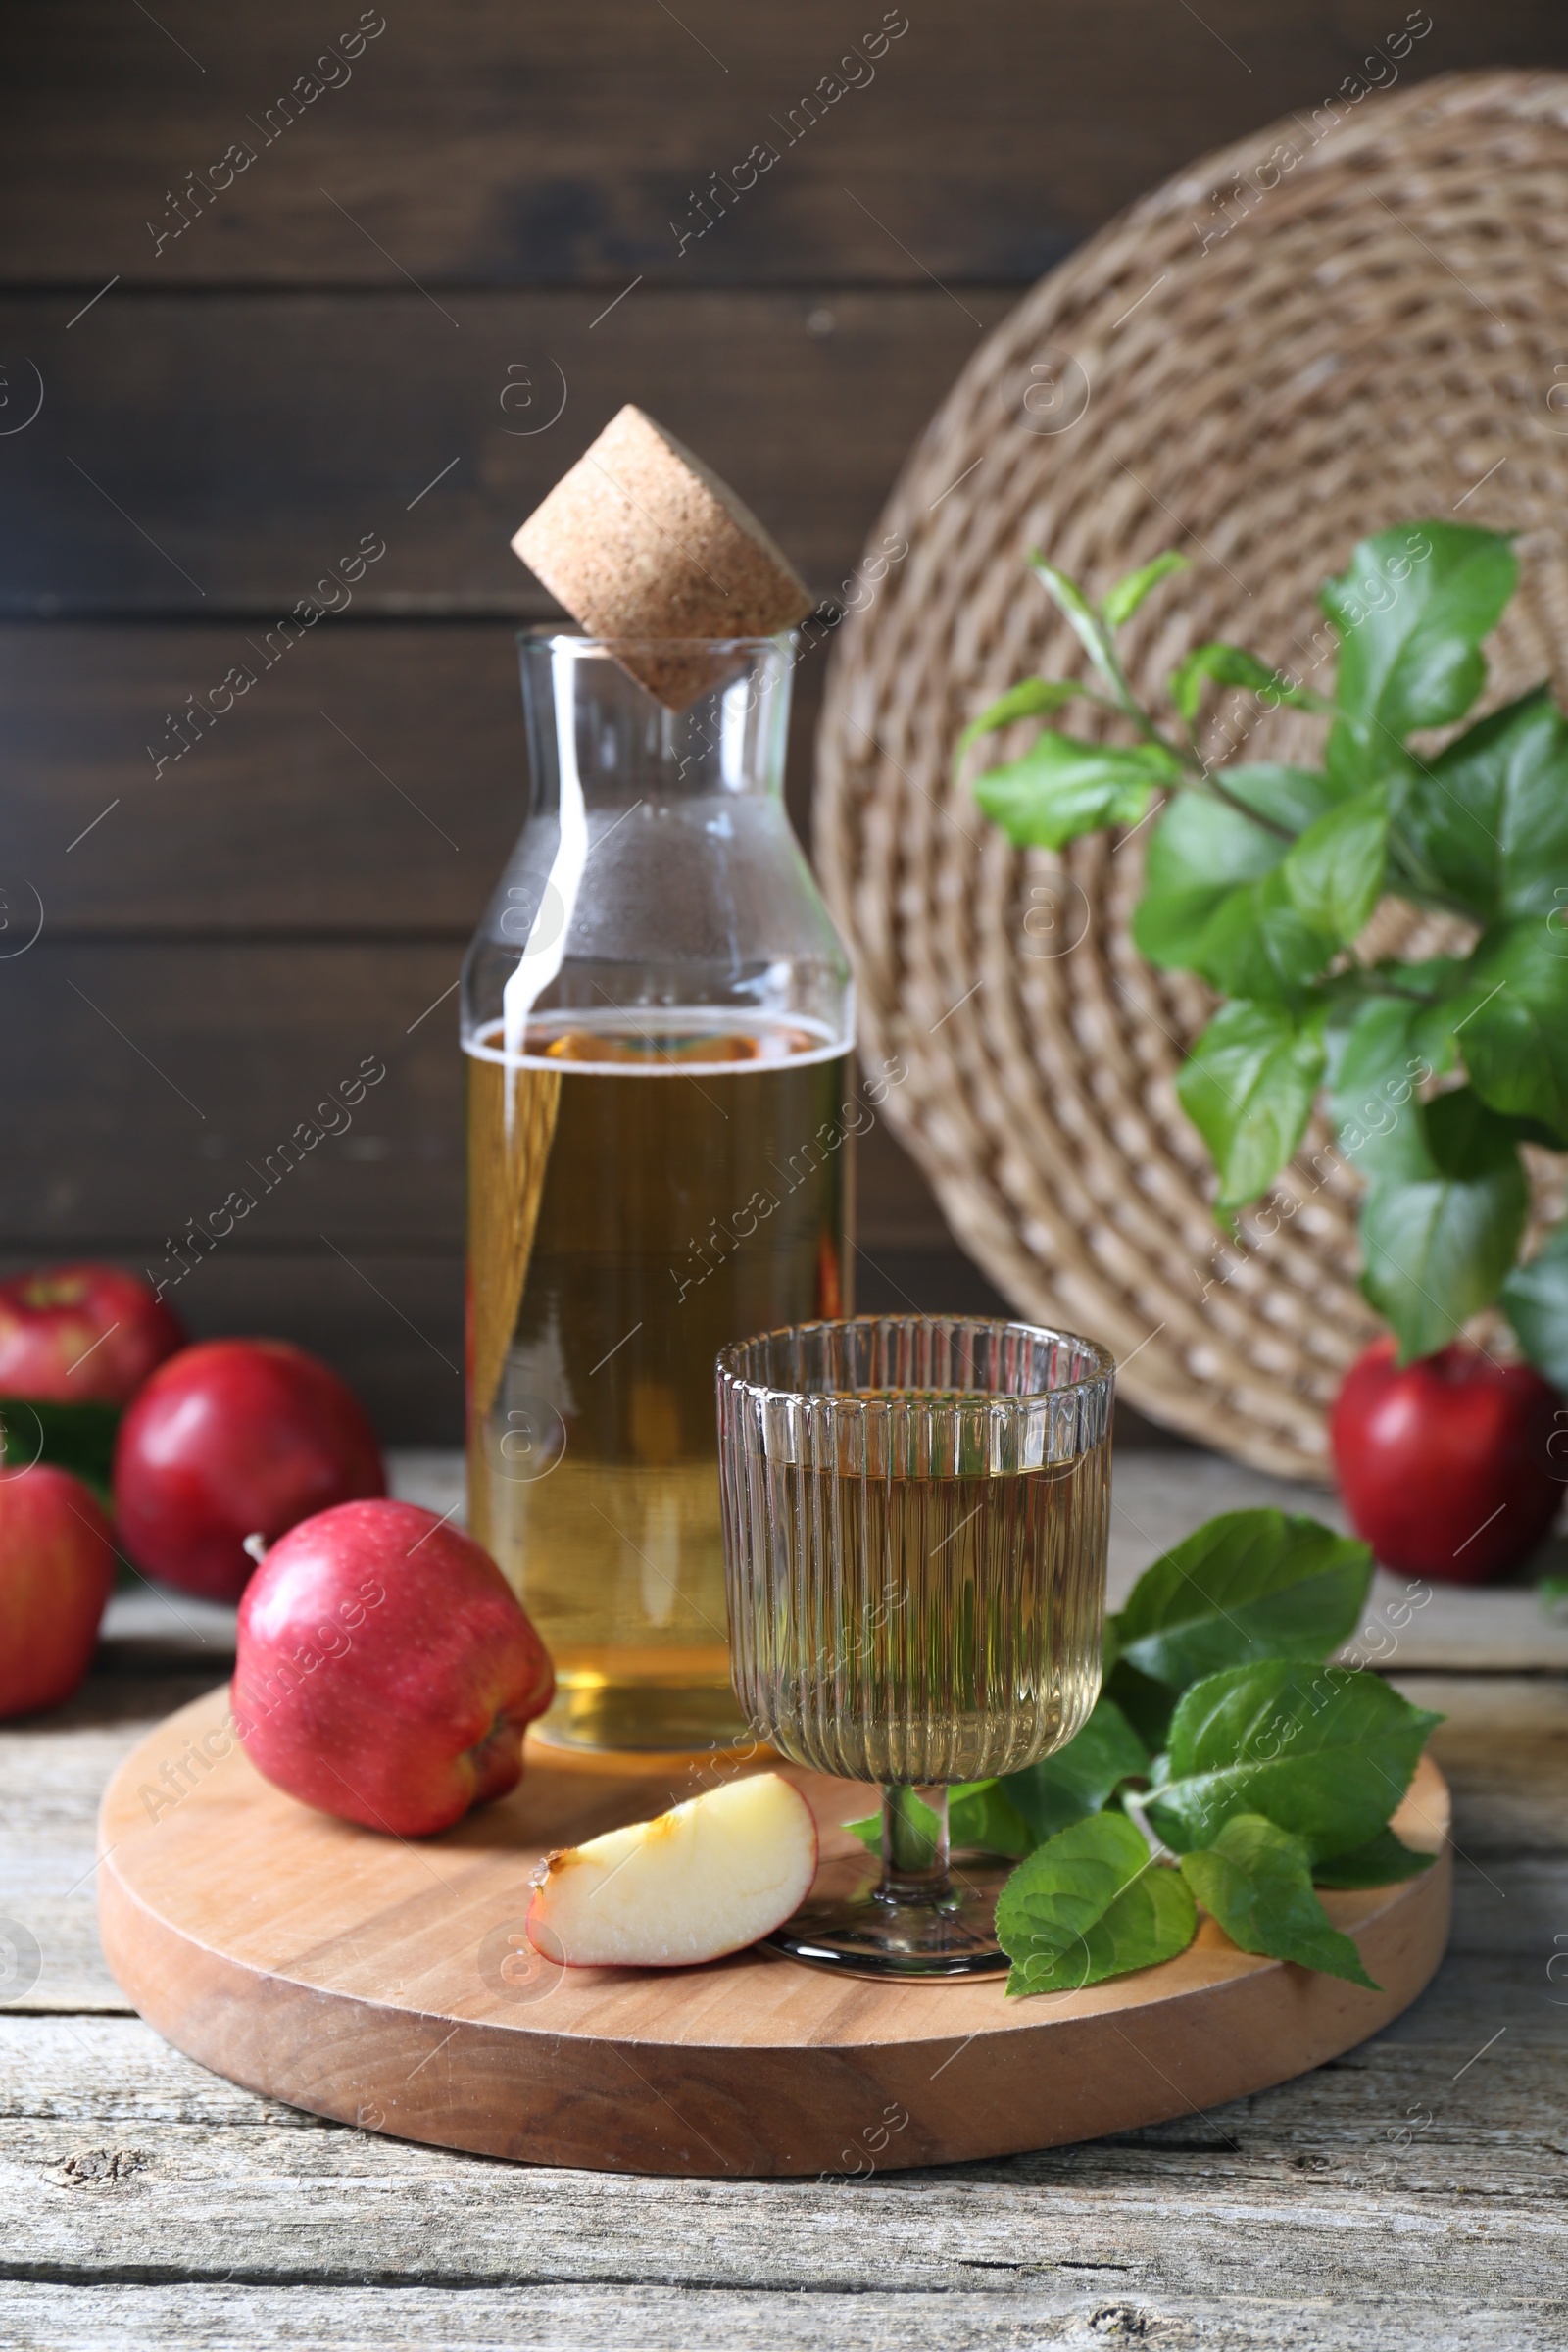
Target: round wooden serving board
(389, 1984)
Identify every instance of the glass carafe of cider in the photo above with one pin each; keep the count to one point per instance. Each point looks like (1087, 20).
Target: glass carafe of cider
(657, 1018)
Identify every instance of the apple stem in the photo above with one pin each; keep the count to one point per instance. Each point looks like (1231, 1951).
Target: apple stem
(914, 1844)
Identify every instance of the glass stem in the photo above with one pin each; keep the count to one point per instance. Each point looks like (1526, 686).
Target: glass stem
(914, 1844)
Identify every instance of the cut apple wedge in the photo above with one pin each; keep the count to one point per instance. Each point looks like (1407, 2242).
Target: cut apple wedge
(707, 1879)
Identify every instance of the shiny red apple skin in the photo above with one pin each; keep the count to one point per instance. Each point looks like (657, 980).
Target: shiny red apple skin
(57, 1564)
(81, 1334)
(229, 1438)
(1444, 1466)
(384, 1670)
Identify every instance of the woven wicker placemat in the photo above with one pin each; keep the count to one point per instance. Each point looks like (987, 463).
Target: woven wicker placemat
(1354, 318)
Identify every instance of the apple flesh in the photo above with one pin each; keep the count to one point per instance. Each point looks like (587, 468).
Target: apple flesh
(230, 1439)
(384, 1670)
(1444, 1465)
(57, 1564)
(709, 1877)
(81, 1334)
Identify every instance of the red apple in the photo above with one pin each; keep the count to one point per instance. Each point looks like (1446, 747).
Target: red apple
(230, 1439)
(1444, 1466)
(78, 1335)
(57, 1563)
(384, 1670)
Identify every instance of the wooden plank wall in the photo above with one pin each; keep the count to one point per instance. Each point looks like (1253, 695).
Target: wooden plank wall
(294, 280)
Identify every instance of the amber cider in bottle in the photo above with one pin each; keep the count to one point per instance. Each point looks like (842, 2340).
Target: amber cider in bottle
(662, 1184)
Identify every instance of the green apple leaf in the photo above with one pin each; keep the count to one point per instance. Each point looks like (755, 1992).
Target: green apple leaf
(1146, 1703)
(1019, 1812)
(1128, 594)
(1080, 614)
(1411, 608)
(1535, 1300)
(1080, 1777)
(1247, 1087)
(1387, 1050)
(1062, 788)
(1442, 1223)
(1489, 816)
(1514, 1022)
(1334, 872)
(1383, 1861)
(1257, 1882)
(1230, 665)
(1259, 944)
(1326, 1753)
(1246, 1586)
(1036, 698)
(979, 1816)
(1284, 801)
(1089, 1904)
(1214, 900)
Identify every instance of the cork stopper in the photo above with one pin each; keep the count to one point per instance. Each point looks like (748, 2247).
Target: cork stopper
(641, 541)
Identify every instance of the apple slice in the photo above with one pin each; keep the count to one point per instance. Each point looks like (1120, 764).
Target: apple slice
(707, 1879)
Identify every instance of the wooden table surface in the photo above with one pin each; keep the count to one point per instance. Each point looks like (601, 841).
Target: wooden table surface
(1414, 2192)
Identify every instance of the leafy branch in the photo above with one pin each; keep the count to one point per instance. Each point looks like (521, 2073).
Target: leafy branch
(1261, 877)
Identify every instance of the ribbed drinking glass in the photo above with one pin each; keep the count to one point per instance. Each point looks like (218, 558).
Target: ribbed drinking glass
(915, 1522)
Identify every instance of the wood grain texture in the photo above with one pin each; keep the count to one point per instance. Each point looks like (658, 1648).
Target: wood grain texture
(363, 1978)
(1305, 2191)
(162, 1076)
(372, 785)
(154, 1075)
(146, 2201)
(278, 819)
(481, 150)
(250, 443)
(1061, 2317)
(502, 147)
(115, 2076)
